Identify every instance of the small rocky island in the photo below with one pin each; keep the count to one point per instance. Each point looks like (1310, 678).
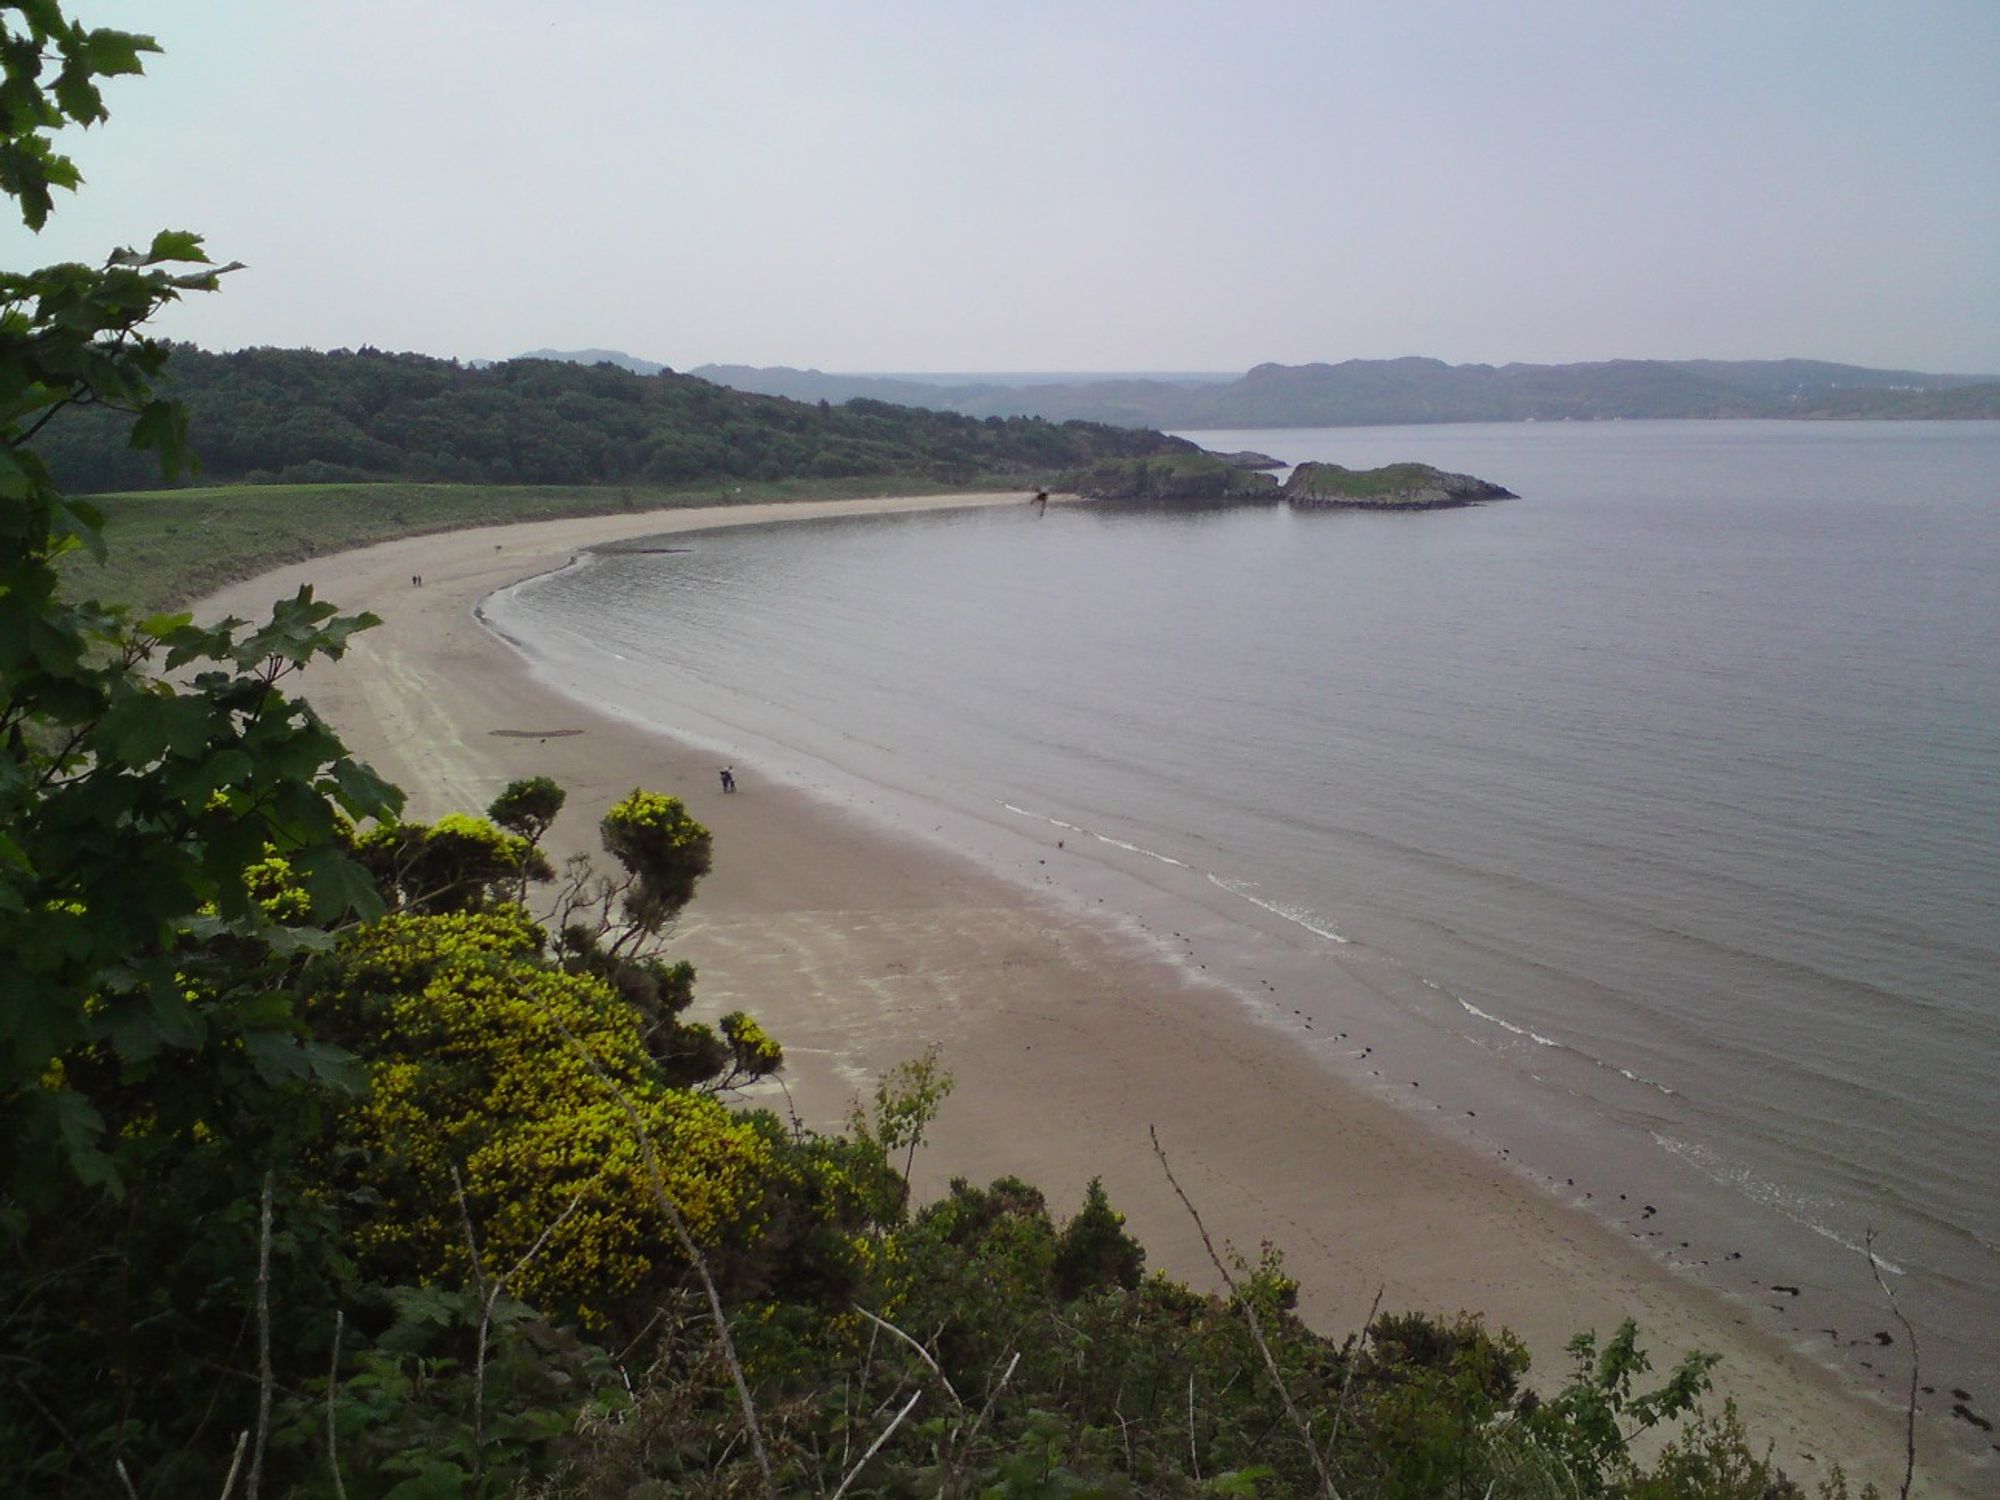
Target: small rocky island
(1392, 487)
(1199, 475)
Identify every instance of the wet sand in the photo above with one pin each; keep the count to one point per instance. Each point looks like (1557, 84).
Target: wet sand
(1068, 1035)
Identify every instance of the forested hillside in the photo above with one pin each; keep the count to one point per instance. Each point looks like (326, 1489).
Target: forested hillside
(298, 416)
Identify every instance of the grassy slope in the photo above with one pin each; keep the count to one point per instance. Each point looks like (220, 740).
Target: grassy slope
(168, 547)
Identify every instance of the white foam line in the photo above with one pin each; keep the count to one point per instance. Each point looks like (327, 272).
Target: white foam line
(1486, 1015)
(1548, 1041)
(1105, 838)
(1295, 914)
(1102, 838)
(1638, 1078)
(1769, 1194)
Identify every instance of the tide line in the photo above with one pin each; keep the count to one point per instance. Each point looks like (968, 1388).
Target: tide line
(1102, 838)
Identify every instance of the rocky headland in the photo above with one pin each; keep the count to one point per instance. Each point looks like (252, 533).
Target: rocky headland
(1209, 476)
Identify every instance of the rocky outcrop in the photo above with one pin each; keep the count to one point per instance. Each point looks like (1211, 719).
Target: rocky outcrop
(1394, 487)
(1250, 458)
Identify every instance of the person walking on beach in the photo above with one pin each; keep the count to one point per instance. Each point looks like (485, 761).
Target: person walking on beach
(728, 779)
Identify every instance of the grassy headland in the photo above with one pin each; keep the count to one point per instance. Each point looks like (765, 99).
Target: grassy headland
(167, 547)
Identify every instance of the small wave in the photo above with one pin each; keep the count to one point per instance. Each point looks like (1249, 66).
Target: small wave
(1548, 1041)
(1505, 1025)
(1793, 1206)
(1165, 859)
(1102, 838)
(1297, 914)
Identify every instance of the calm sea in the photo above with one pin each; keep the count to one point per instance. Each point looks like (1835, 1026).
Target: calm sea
(1655, 813)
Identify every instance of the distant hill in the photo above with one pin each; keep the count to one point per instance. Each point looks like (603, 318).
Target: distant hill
(1368, 392)
(616, 357)
(299, 416)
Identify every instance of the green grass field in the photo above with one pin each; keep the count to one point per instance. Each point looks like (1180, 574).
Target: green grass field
(168, 547)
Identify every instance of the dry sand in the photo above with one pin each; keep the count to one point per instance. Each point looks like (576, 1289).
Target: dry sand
(1067, 1040)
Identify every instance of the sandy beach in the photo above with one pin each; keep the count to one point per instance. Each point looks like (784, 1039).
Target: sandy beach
(1068, 1037)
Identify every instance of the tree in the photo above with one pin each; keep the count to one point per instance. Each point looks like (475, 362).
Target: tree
(528, 807)
(153, 1072)
(1094, 1250)
(131, 805)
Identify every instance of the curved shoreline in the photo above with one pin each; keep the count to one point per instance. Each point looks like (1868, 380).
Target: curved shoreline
(1068, 1036)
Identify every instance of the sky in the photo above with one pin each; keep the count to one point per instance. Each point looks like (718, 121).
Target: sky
(1095, 185)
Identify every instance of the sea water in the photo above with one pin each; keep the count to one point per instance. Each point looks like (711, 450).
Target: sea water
(1658, 810)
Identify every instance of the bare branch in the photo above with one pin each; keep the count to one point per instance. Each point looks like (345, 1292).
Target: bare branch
(1910, 1333)
(1347, 1376)
(922, 1353)
(992, 1396)
(1194, 1454)
(1326, 1485)
(488, 1297)
(264, 1381)
(471, 1239)
(332, 1387)
(235, 1463)
(875, 1447)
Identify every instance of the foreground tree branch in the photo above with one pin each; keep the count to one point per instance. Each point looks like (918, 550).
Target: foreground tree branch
(1299, 1424)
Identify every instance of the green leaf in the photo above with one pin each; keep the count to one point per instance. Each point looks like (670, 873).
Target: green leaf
(337, 1067)
(363, 793)
(176, 244)
(160, 626)
(44, 15)
(162, 426)
(114, 53)
(80, 1128)
(337, 885)
(78, 97)
(11, 853)
(276, 1055)
(136, 731)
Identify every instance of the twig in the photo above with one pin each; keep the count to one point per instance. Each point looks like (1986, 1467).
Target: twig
(992, 1396)
(255, 1479)
(235, 1463)
(1347, 1376)
(626, 1353)
(471, 1239)
(1326, 1485)
(125, 1478)
(490, 1295)
(875, 1447)
(922, 1353)
(1910, 1428)
(332, 1387)
(1194, 1454)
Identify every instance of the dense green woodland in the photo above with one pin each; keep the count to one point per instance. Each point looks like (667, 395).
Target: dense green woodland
(354, 1157)
(296, 416)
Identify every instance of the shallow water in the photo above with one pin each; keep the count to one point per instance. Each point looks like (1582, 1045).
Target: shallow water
(1658, 811)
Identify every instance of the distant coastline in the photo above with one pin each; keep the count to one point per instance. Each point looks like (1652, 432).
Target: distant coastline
(1414, 391)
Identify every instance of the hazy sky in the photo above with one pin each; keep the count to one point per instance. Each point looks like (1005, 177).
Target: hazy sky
(976, 185)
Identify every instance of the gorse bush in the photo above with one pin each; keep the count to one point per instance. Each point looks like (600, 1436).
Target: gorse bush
(514, 1095)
